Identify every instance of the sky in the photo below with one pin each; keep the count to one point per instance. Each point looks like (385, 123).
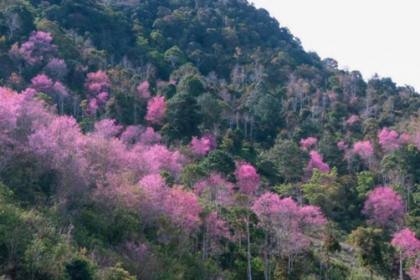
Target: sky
(371, 36)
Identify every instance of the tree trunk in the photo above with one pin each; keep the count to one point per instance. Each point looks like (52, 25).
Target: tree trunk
(266, 269)
(248, 236)
(401, 267)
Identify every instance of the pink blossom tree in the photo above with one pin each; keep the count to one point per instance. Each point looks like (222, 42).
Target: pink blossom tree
(341, 145)
(107, 128)
(155, 109)
(248, 178)
(143, 90)
(38, 47)
(56, 68)
(384, 208)
(267, 207)
(308, 143)
(287, 226)
(20, 117)
(150, 137)
(200, 146)
(184, 209)
(154, 194)
(407, 244)
(215, 191)
(137, 134)
(405, 138)
(364, 149)
(97, 82)
(317, 162)
(56, 90)
(414, 271)
(59, 146)
(214, 231)
(248, 181)
(42, 83)
(352, 119)
(159, 158)
(310, 219)
(388, 140)
(97, 86)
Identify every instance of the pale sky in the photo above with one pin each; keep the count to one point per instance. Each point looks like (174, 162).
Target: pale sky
(372, 36)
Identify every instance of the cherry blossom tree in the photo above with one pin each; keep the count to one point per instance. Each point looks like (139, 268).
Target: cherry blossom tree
(384, 208)
(214, 231)
(267, 207)
(150, 137)
(155, 109)
(56, 68)
(59, 148)
(97, 82)
(97, 86)
(405, 138)
(352, 119)
(38, 47)
(215, 191)
(414, 271)
(200, 146)
(154, 195)
(248, 178)
(342, 145)
(42, 83)
(316, 162)
(183, 208)
(20, 117)
(362, 148)
(308, 143)
(137, 134)
(287, 226)
(159, 158)
(56, 90)
(143, 90)
(407, 244)
(388, 140)
(107, 129)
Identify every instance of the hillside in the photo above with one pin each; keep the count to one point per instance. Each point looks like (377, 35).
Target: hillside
(196, 140)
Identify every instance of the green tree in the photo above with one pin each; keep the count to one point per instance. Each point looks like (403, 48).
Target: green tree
(219, 161)
(182, 117)
(369, 247)
(79, 269)
(288, 159)
(325, 191)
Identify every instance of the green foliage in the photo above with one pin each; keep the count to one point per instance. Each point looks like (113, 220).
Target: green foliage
(325, 191)
(287, 159)
(79, 269)
(218, 161)
(365, 183)
(118, 273)
(182, 116)
(369, 247)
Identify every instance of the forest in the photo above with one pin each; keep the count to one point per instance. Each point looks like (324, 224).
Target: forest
(181, 139)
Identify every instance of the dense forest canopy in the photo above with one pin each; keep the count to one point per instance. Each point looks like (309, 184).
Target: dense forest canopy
(182, 139)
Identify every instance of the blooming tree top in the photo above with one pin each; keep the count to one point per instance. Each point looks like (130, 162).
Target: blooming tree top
(307, 143)
(406, 241)
(388, 139)
(248, 178)
(364, 149)
(317, 162)
(155, 109)
(384, 207)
